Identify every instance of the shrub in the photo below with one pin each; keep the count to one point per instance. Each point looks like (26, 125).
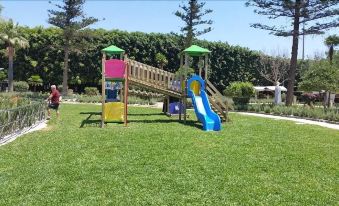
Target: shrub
(20, 86)
(91, 91)
(70, 92)
(240, 92)
(60, 87)
(309, 98)
(182, 71)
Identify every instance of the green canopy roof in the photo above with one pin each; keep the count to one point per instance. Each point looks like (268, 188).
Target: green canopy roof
(195, 50)
(113, 50)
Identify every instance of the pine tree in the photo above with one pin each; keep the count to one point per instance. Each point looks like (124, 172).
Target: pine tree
(192, 16)
(71, 19)
(316, 15)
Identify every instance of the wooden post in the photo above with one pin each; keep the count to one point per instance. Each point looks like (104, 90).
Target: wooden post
(134, 70)
(168, 81)
(180, 100)
(206, 66)
(168, 104)
(147, 74)
(126, 92)
(139, 71)
(185, 86)
(103, 85)
(199, 66)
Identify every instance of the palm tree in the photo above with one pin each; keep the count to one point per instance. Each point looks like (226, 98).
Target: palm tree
(331, 41)
(10, 36)
(35, 80)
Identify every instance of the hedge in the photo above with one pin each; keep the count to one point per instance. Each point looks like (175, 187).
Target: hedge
(44, 57)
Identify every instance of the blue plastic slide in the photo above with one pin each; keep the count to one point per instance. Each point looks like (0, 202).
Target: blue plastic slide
(209, 119)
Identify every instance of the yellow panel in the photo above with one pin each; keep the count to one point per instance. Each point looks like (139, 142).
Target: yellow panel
(114, 111)
(195, 87)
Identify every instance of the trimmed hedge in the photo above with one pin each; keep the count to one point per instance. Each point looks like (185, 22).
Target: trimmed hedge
(45, 57)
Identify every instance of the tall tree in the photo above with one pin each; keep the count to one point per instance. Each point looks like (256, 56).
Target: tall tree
(71, 19)
(331, 41)
(316, 15)
(192, 16)
(12, 38)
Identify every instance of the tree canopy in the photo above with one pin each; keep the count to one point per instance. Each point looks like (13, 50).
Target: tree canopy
(71, 18)
(192, 15)
(316, 16)
(320, 76)
(12, 38)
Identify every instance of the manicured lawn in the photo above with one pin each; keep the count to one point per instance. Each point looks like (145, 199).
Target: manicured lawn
(159, 161)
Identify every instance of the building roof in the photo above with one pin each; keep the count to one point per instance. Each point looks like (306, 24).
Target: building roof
(268, 88)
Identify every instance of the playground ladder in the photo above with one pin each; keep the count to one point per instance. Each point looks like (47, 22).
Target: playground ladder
(167, 83)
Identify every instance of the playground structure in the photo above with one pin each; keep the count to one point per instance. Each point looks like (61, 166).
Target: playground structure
(161, 81)
(115, 85)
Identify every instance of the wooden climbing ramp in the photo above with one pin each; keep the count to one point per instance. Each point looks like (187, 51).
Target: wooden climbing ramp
(167, 83)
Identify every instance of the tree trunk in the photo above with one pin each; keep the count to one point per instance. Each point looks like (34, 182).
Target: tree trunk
(330, 53)
(10, 68)
(189, 37)
(65, 72)
(294, 56)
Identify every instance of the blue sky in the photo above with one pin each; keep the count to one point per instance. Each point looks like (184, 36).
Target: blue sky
(231, 21)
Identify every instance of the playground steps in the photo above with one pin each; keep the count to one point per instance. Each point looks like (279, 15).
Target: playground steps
(217, 109)
(216, 100)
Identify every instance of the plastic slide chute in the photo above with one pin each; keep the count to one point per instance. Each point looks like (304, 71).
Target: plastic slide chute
(196, 91)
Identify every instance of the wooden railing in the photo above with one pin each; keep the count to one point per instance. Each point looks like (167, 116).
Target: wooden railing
(152, 75)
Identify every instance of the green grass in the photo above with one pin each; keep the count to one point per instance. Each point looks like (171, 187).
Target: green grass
(159, 161)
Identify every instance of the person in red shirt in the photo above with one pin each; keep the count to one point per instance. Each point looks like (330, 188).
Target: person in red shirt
(54, 101)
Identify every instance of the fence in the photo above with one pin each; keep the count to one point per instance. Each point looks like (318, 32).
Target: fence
(15, 120)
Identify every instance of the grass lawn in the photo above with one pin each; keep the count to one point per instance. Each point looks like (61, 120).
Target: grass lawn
(159, 161)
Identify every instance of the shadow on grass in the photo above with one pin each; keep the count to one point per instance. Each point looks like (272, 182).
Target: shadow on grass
(190, 123)
(149, 114)
(91, 122)
(97, 122)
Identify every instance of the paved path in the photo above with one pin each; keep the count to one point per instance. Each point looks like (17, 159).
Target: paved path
(297, 120)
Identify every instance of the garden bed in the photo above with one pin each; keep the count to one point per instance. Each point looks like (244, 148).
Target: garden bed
(329, 115)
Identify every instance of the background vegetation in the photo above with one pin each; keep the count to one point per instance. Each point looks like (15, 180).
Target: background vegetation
(45, 58)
